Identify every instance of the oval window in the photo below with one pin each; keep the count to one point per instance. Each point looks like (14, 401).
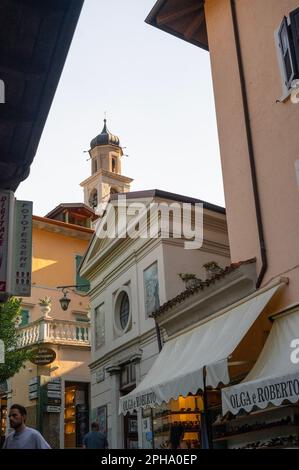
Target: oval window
(124, 310)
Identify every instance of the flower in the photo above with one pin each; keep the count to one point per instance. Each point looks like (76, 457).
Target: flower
(45, 301)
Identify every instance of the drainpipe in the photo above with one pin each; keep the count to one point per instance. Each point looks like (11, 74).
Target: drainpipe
(158, 333)
(250, 147)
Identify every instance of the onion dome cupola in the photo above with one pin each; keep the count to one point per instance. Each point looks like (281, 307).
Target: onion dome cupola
(104, 138)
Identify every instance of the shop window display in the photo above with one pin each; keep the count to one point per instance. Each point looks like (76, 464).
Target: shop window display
(76, 415)
(3, 420)
(275, 427)
(182, 413)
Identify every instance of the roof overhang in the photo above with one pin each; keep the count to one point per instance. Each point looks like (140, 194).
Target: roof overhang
(35, 39)
(184, 19)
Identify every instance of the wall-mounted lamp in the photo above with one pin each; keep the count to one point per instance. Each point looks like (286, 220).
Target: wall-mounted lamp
(65, 301)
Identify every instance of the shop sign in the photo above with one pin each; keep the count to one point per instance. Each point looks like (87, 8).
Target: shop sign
(54, 401)
(248, 395)
(53, 394)
(6, 214)
(33, 381)
(3, 387)
(55, 380)
(33, 395)
(53, 386)
(147, 399)
(53, 409)
(43, 356)
(33, 388)
(22, 252)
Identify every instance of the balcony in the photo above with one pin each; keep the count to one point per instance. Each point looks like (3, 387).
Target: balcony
(63, 332)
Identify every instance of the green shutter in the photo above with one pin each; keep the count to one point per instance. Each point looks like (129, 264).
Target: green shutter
(80, 281)
(25, 317)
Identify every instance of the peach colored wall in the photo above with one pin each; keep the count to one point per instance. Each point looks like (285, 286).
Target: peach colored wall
(79, 304)
(72, 364)
(54, 257)
(178, 260)
(274, 129)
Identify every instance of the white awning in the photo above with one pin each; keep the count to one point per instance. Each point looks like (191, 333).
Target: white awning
(178, 370)
(275, 376)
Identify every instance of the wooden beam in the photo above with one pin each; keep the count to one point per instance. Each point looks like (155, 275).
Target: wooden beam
(174, 15)
(194, 26)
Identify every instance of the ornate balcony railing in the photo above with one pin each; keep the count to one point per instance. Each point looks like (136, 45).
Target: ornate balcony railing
(54, 331)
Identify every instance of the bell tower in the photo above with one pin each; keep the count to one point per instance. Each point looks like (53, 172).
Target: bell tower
(106, 177)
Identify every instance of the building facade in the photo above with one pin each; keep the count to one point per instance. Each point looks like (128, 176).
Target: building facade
(130, 278)
(254, 52)
(55, 389)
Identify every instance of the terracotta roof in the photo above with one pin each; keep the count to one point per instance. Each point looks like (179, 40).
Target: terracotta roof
(62, 224)
(203, 284)
(80, 206)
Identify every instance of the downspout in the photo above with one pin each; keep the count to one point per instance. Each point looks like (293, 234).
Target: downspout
(158, 333)
(250, 148)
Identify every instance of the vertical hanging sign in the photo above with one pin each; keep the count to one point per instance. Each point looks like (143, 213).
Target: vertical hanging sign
(22, 253)
(6, 214)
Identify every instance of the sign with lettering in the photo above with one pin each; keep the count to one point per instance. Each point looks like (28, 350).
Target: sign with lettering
(137, 401)
(53, 386)
(43, 356)
(54, 394)
(33, 381)
(53, 409)
(22, 253)
(33, 388)
(53, 401)
(6, 230)
(33, 395)
(259, 393)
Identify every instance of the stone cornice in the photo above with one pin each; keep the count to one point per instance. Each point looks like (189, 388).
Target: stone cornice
(127, 352)
(202, 303)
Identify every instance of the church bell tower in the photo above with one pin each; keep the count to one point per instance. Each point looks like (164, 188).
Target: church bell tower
(106, 177)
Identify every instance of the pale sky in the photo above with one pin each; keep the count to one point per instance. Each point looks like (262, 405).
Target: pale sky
(157, 92)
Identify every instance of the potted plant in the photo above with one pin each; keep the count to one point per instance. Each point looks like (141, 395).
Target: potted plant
(190, 280)
(45, 306)
(212, 268)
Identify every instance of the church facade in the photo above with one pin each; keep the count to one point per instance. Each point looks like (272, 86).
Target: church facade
(130, 277)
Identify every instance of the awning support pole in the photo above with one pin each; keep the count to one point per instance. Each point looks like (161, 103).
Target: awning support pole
(206, 427)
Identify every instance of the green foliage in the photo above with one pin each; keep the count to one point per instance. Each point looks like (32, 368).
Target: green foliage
(187, 276)
(46, 301)
(14, 358)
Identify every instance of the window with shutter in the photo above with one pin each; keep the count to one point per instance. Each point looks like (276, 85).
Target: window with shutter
(285, 45)
(80, 281)
(294, 17)
(24, 318)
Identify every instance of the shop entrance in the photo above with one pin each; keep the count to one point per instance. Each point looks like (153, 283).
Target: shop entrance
(184, 413)
(3, 419)
(130, 423)
(76, 413)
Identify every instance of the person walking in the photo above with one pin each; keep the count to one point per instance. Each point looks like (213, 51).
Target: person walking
(23, 437)
(176, 439)
(95, 439)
